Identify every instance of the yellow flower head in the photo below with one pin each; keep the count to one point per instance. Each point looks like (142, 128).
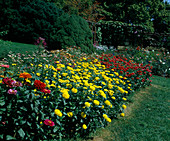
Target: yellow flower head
(124, 106)
(124, 98)
(92, 88)
(70, 114)
(113, 97)
(87, 104)
(102, 93)
(96, 102)
(66, 95)
(105, 116)
(74, 90)
(122, 114)
(84, 126)
(83, 115)
(107, 102)
(108, 120)
(58, 112)
(102, 107)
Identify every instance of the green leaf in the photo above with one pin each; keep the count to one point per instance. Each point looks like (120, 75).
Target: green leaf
(26, 92)
(2, 109)
(55, 129)
(23, 121)
(1, 136)
(21, 132)
(8, 137)
(2, 103)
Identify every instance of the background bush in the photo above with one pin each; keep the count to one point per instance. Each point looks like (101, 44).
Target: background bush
(32, 19)
(74, 30)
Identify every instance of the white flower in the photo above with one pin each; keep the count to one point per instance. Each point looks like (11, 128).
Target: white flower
(163, 62)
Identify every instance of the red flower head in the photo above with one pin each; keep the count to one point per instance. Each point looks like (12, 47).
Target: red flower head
(138, 48)
(143, 80)
(49, 122)
(8, 81)
(39, 85)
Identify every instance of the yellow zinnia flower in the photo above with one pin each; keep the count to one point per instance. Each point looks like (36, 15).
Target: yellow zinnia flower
(122, 114)
(84, 126)
(70, 114)
(107, 102)
(66, 95)
(83, 115)
(74, 90)
(96, 102)
(124, 106)
(58, 112)
(87, 104)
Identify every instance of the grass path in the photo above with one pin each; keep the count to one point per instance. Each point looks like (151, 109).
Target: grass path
(147, 116)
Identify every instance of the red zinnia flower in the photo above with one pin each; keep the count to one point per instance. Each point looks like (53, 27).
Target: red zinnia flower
(39, 85)
(143, 80)
(8, 81)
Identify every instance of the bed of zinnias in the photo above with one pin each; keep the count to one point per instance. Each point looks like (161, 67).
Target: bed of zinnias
(61, 95)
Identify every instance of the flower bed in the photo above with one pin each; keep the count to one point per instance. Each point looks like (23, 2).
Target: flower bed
(137, 73)
(43, 97)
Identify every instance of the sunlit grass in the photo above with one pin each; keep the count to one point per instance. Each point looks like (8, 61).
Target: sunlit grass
(6, 46)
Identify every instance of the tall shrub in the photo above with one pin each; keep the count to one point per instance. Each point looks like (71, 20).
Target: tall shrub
(74, 31)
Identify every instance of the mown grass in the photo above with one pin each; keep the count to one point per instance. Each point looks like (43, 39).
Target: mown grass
(147, 116)
(6, 46)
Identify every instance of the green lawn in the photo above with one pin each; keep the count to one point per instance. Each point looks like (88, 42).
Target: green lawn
(147, 116)
(6, 46)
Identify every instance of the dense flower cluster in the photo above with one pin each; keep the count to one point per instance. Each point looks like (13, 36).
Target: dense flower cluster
(85, 93)
(133, 71)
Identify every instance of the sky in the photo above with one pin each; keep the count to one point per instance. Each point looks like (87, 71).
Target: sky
(167, 1)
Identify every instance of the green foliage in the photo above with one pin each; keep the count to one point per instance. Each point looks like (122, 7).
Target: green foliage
(74, 31)
(117, 33)
(36, 19)
(44, 19)
(153, 14)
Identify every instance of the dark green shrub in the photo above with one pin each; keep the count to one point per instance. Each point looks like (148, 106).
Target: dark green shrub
(43, 19)
(74, 31)
(33, 20)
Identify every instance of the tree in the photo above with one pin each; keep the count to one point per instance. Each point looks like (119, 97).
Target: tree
(151, 12)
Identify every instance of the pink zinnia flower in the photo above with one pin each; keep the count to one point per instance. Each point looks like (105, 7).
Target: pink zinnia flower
(11, 91)
(49, 122)
(5, 66)
(16, 84)
(46, 91)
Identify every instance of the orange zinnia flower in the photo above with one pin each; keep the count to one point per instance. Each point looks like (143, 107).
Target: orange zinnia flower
(25, 75)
